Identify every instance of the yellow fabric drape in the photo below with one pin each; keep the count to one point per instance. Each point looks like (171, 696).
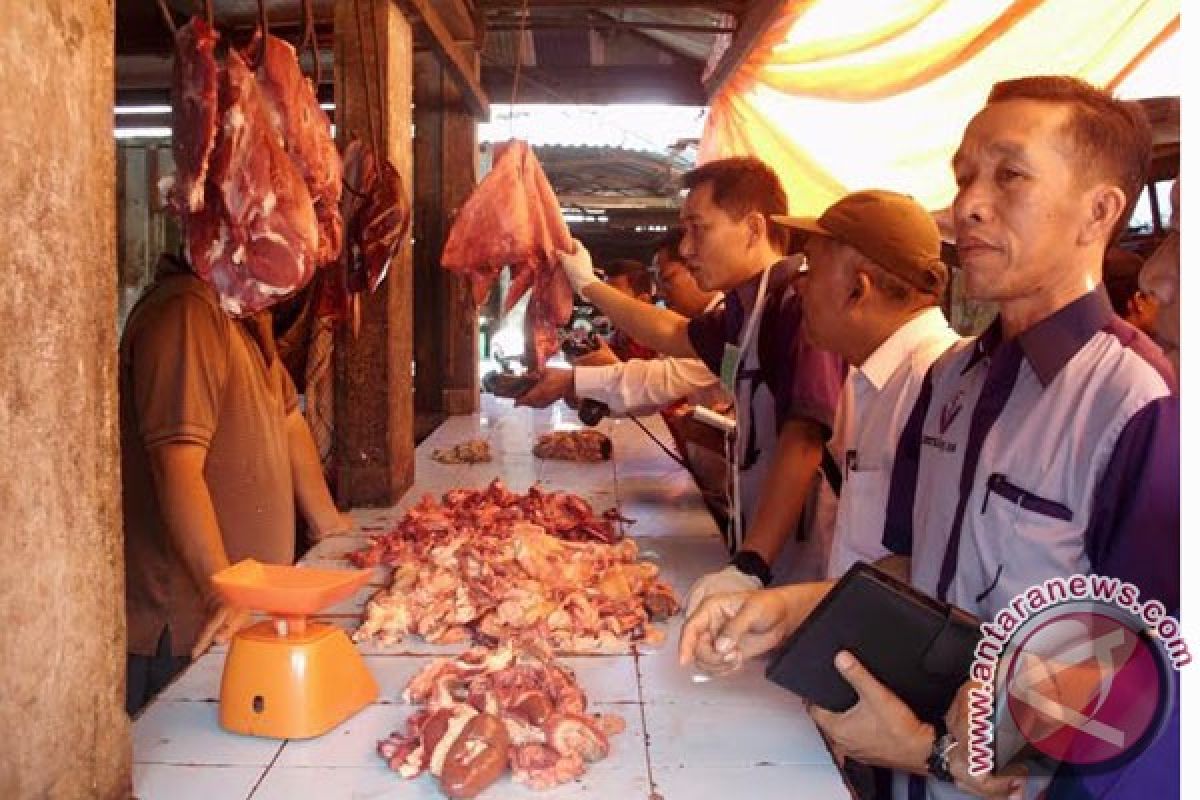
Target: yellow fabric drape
(839, 96)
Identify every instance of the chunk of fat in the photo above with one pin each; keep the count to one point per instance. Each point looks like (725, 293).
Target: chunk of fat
(412, 765)
(218, 246)
(234, 118)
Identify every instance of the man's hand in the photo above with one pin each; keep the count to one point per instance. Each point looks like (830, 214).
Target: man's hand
(554, 384)
(727, 629)
(578, 266)
(730, 579)
(879, 729)
(339, 524)
(958, 725)
(602, 356)
(223, 622)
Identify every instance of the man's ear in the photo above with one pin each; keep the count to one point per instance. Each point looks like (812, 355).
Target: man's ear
(756, 223)
(1105, 205)
(1142, 303)
(860, 287)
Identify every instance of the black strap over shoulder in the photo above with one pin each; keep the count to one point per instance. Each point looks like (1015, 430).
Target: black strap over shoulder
(833, 472)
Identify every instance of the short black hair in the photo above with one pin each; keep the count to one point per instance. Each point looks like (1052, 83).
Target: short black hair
(670, 243)
(743, 185)
(640, 279)
(1111, 137)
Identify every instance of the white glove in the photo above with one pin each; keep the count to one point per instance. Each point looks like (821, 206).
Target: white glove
(578, 266)
(729, 580)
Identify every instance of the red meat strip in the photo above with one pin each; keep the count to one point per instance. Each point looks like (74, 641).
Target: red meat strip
(194, 104)
(297, 117)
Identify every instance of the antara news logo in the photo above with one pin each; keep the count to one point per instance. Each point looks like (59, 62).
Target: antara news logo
(1078, 669)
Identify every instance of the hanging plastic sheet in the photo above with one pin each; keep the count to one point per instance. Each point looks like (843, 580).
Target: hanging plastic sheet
(839, 96)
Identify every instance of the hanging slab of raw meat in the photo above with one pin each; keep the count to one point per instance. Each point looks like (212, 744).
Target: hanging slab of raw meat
(378, 216)
(513, 219)
(194, 109)
(256, 238)
(297, 116)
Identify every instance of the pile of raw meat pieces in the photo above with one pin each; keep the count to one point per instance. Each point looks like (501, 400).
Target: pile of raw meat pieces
(513, 220)
(585, 445)
(493, 565)
(488, 711)
(258, 179)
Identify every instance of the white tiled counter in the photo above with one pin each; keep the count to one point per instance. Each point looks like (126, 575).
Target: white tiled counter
(739, 736)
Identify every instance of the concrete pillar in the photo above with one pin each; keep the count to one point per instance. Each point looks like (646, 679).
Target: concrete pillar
(62, 611)
(446, 164)
(373, 397)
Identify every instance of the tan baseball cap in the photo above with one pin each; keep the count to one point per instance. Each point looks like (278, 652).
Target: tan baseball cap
(889, 228)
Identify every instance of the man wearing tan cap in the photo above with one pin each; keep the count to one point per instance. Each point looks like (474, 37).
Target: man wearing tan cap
(875, 279)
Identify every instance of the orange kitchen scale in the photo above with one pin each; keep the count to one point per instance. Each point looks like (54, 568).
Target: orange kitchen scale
(289, 677)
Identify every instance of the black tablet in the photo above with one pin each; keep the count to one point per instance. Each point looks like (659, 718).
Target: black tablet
(918, 647)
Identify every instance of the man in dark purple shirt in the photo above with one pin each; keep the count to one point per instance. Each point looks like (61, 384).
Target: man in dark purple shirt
(785, 390)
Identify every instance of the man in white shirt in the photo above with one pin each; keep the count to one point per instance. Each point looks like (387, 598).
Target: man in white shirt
(872, 294)
(643, 386)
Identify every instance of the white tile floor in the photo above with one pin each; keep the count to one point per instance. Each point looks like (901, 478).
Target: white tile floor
(683, 741)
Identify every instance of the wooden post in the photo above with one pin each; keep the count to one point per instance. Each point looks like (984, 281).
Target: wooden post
(447, 320)
(373, 397)
(62, 608)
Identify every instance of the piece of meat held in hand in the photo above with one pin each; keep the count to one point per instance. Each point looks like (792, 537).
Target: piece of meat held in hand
(194, 113)
(266, 229)
(513, 219)
(304, 128)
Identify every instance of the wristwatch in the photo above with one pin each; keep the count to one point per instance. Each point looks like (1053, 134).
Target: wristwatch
(944, 743)
(751, 563)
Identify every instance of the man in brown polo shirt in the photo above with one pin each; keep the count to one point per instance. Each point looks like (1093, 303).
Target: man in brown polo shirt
(215, 457)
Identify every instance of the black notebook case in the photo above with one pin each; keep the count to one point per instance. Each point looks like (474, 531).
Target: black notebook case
(918, 647)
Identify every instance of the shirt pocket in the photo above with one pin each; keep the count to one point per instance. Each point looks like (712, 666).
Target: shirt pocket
(860, 520)
(1025, 539)
(999, 485)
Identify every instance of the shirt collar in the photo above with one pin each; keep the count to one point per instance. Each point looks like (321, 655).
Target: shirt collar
(783, 272)
(889, 356)
(1054, 341)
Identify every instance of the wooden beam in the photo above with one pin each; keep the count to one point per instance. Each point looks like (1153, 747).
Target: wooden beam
(459, 18)
(677, 84)
(727, 6)
(613, 201)
(446, 321)
(758, 16)
(605, 22)
(373, 390)
(445, 48)
(642, 32)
